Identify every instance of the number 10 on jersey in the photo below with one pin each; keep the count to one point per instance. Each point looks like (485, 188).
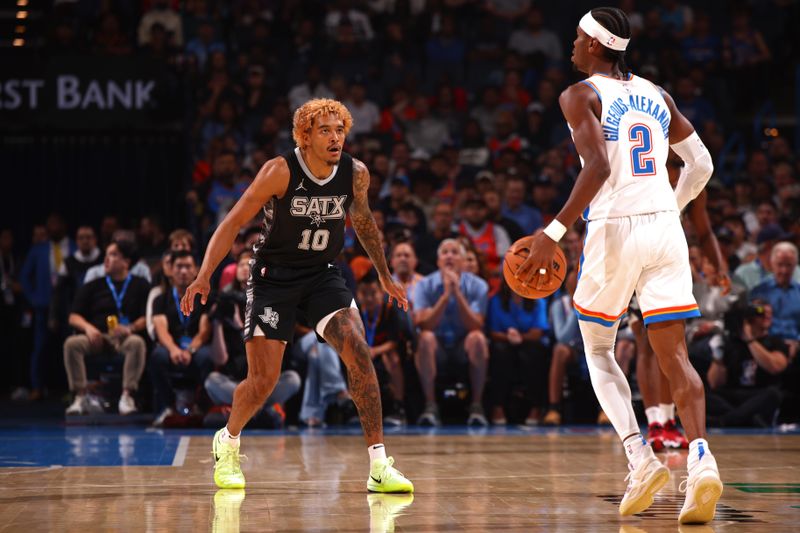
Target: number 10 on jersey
(317, 243)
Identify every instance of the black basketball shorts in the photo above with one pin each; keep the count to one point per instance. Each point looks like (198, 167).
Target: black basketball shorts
(277, 294)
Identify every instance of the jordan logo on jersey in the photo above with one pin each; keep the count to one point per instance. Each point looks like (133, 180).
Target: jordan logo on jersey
(319, 208)
(301, 187)
(270, 317)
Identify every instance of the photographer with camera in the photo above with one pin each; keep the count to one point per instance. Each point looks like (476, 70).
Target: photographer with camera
(745, 373)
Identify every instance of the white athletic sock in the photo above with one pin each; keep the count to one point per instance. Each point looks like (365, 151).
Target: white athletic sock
(376, 451)
(229, 439)
(634, 445)
(653, 415)
(609, 383)
(667, 412)
(698, 448)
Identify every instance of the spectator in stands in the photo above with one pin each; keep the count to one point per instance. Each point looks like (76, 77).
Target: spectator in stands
(520, 349)
(230, 356)
(386, 332)
(161, 14)
(72, 273)
(108, 225)
(445, 52)
(140, 268)
(782, 292)
(151, 238)
(225, 189)
(494, 208)
(109, 37)
(109, 313)
(403, 260)
(366, 114)
(751, 274)
(325, 384)
(205, 44)
(311, 87)
(514, 207)
(745, 372)
(535, 39)
(449, 309)
(182, 340)
(38, 278)
(344, 11)
(567, 351)
(426, 131)
(428, 245)
(489, 238)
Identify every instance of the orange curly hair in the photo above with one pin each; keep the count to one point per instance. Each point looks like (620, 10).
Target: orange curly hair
(305, 115)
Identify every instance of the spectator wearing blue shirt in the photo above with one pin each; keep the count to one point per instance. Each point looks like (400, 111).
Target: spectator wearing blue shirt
(449, 309)
(38, 278)
(783, 294)
(520, 347)
(528, 218)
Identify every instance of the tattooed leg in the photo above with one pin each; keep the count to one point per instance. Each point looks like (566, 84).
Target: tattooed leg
(345, 333)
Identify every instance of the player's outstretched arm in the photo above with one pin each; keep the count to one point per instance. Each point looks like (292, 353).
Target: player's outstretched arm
(369, 235)
(272, 180)
(698, 165)
(581, 108)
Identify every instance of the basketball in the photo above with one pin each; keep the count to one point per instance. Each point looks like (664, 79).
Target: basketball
(517, 254)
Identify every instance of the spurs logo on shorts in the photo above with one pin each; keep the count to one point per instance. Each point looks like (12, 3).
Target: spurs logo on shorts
(270, 317)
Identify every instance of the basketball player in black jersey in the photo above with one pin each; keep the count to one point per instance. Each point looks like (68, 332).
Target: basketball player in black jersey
(304, 195)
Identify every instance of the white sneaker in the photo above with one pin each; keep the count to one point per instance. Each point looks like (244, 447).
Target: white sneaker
(162, 416)
(126, 404)
(644, 481)
(78, 406)
(703, 489)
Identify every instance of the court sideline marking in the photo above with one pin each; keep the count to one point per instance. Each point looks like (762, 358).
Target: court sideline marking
(180, 453)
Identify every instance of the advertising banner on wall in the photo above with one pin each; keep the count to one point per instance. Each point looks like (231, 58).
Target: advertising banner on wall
(88, 94)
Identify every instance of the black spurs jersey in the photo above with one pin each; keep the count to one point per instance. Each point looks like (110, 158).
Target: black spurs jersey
(306, 227)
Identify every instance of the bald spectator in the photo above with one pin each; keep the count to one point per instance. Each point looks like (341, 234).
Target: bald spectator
(751, 274)
(449, 309)
(783, 294)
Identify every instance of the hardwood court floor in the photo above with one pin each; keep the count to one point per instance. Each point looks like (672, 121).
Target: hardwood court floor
(512, 480)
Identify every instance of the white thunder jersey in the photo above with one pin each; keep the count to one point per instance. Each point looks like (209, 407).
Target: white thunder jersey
(635, 122)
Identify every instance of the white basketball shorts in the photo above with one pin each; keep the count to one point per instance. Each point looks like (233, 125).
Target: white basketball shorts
(643, 253)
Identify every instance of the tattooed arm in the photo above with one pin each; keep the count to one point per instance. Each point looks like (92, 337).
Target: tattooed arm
(369, 235)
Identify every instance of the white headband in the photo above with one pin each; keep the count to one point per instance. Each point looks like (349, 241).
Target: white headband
(606, 38)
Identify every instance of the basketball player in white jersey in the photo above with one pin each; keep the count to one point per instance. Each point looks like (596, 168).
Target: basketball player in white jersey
(623, 127)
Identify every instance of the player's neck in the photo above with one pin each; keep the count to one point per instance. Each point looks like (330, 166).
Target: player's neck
(606, 69)
(320, 169)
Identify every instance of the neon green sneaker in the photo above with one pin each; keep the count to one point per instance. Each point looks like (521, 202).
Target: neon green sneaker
(384, 510)
(227, 505)
(227, 472)
(383, 477)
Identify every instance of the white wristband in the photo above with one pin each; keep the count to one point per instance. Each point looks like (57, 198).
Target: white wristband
(555, 230)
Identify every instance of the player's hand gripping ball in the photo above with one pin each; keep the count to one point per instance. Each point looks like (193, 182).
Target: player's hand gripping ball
(554, 277)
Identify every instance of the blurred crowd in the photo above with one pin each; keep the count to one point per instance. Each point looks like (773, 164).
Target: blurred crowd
(455, 107)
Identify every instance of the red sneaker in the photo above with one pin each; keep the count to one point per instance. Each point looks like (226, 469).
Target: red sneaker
(674, 437)
(655, 436)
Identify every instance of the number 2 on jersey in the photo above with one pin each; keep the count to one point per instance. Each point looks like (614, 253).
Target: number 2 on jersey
(318, 243)
(642, 137)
